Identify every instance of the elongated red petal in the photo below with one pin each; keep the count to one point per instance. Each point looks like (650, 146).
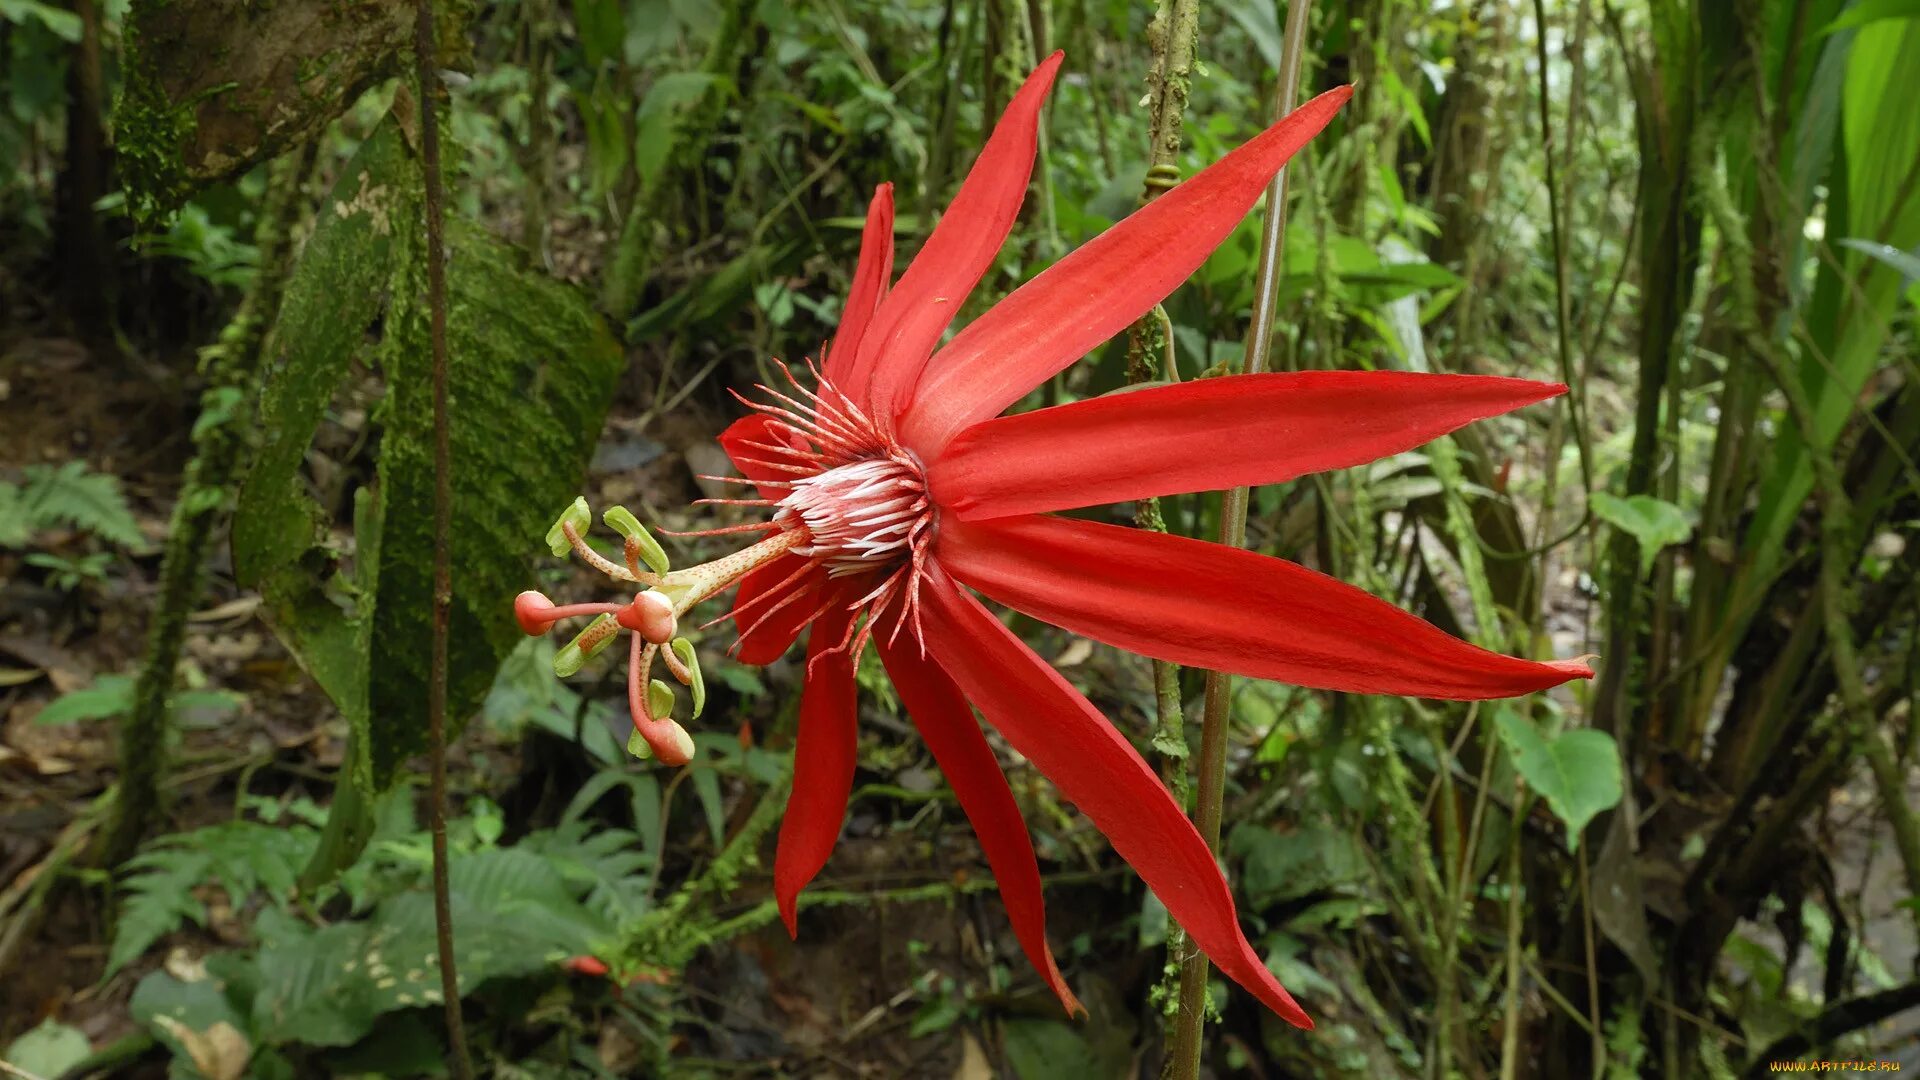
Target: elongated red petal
(751, 460)
(1208, 435)
(958, 251)
(1068, 740)
(823, 758)
(765, 642)
(1218, 607)
(947, 725)
(1101, 288)
(870, 277)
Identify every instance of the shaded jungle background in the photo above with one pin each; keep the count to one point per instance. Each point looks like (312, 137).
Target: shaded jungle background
(1701, 214)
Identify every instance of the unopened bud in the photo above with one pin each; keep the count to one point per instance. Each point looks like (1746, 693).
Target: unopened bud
(576, 515)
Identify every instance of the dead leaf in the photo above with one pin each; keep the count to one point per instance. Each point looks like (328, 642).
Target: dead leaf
(220, 1052)
(973, 1060)
(18, 676)
(238, 608)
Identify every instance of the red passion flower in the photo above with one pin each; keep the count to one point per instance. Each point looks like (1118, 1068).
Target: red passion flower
(897, 491)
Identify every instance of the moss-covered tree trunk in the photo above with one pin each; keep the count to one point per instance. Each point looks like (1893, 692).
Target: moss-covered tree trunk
(231, 366)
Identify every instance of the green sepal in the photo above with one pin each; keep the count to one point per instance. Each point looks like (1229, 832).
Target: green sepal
(582, 519)
(620, 520)
(683, 649)
(572, 658)
(638, 746)
(660, 699)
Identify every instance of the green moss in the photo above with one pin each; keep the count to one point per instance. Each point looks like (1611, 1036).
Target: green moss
(151, 137)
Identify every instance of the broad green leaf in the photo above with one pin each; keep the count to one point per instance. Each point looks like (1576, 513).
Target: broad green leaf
(281, 539)
(653, 122)
(1279, 866)
(532, 370)
(1654, 523)
(64, 25)
(1577, 772)
(49, 1049)
(1868, 11)
(1045, 1049)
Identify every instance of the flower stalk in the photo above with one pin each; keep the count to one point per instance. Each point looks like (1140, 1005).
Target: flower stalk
(1216, 717)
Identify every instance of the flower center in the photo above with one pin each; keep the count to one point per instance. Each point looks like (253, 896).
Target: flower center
(866, 515)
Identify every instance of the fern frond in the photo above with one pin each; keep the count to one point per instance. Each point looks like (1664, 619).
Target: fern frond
(72, 495)
(238, 856)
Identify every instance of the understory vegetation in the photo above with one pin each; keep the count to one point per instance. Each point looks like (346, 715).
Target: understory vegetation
(218, 469)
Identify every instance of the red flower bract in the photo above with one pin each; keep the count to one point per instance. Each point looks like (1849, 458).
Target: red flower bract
(893, 490)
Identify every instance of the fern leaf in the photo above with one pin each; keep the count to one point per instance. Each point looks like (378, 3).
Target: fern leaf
(70, 494)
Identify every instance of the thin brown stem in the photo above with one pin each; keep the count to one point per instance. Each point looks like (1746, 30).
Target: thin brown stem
(423, 54)
(1216, 718)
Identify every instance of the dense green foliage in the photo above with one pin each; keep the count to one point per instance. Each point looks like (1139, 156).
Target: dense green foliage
(1702, 216)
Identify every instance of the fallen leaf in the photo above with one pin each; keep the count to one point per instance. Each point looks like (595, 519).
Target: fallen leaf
(973, 1061)
(220, 1052)
(238, 608)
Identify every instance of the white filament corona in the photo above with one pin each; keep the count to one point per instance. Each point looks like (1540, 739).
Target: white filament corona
(859, 516)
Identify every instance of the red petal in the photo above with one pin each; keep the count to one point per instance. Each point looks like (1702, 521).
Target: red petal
(957, 253)
(823, 757)
(1100, 288)
(769, 640)
(1068, 740)
(1218, 607)
(870, 277)
(1208, 435)
(947, 725)
(749, 459)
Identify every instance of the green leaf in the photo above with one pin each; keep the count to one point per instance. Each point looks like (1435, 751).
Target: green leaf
(1045, 1049)
(1654, 523)
(48, 1050)
(1867, 11)
(1907, 263)
(532, 370)
(242, 857)
(110, 695)
(1577, 772)
(1285, 866)
(64, 25)
(71, 495)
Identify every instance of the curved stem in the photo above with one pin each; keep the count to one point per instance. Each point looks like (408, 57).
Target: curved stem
(423, 54)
